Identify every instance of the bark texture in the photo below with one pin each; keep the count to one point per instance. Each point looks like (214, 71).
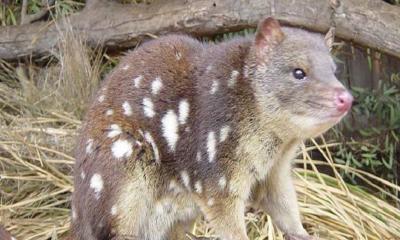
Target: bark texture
(373, 23)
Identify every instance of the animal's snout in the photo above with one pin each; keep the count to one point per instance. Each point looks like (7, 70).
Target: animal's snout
(343, 100)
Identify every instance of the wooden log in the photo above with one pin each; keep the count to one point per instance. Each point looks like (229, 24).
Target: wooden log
(372, 23)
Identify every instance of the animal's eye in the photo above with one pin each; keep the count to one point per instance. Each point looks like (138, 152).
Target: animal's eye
(299, 73)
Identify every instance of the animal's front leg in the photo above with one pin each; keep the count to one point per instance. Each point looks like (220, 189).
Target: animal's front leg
(181, 230)
(277, 197)
(226, 216)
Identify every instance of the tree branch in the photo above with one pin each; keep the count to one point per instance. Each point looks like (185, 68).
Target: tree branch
(368, 22)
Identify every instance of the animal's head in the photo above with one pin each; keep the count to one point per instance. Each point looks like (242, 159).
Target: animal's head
(293, 75)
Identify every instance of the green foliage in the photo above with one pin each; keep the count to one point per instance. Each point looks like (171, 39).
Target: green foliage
(227, 36)
(394, 2)
(8, 14)
(10, 11)
(378, 128)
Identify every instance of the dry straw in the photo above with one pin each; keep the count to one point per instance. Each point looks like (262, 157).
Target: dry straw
(39, 117)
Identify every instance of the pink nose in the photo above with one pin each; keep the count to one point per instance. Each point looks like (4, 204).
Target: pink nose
(343, 100)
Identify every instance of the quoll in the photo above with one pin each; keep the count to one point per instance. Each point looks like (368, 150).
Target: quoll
(182, 128)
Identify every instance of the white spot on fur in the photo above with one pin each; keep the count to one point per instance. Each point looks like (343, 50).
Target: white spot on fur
(137, 81)
(208, 69)
(89, 146)
(125, 67)
(73, 214)
(170, 128)
(114, 210)
(246, 71)
(83, 175)
(233, 79)
(150, 140)
(185, 179)
(121, 148)
(156, 86)
(101, 98)
(127, 108)
(13, 238)
(210, 202)
(96, 183)
(141, 132)
(178, 55)
(109, 112)
(222, 182)
(214, 87)
(198, 156)
(139, 143)
(223, 133)
(183, 111)
(198, 187)
(211, 146)
(115, 130)
(148, 107)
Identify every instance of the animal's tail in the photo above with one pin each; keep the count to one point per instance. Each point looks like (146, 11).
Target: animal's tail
(4, 234)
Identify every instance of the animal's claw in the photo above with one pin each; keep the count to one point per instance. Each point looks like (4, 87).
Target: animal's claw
(299, 237)
(193, 237)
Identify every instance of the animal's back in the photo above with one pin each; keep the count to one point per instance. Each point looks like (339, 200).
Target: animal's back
(152, 81)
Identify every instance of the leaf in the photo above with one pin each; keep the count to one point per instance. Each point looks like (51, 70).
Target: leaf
(12, 17)
(368, 155)
(357, 163)
(388, 164)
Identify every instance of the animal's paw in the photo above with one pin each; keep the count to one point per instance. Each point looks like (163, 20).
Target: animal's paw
(193, 237)
(299, 237)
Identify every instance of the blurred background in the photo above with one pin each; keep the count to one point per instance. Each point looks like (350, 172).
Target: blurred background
(54, 54)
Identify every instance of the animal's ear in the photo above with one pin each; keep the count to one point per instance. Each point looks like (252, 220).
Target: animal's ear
(269, 33)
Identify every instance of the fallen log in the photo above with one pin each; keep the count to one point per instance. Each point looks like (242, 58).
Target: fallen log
(372, 23)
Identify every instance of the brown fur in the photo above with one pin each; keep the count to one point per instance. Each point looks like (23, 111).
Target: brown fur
(157, 193)
(4, 234)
